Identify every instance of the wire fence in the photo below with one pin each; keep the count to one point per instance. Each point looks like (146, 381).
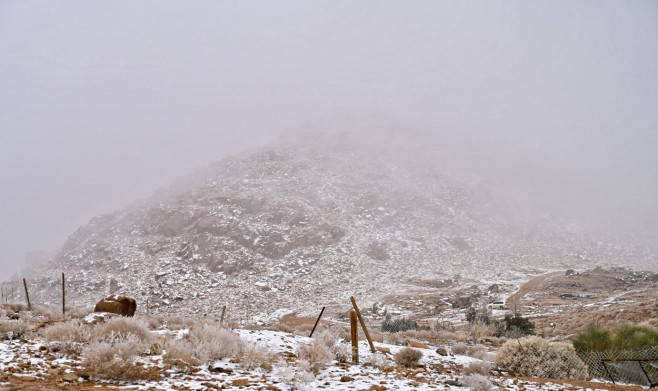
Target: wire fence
(625, 366)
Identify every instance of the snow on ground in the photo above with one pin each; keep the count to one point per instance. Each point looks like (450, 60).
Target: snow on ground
(33, 359)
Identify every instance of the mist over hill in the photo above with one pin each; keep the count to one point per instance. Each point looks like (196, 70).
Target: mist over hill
(318, 216)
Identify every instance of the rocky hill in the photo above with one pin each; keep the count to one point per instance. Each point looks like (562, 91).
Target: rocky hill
(309, 221)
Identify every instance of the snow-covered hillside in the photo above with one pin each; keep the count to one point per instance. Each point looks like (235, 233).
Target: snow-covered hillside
(310, 221)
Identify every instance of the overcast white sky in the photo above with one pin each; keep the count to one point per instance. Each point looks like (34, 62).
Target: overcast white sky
(101, 102)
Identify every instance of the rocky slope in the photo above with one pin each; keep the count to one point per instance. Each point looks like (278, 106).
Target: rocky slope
(309, 221)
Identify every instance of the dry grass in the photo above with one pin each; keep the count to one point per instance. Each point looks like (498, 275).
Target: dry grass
(477, 351)
(180, 354)
(408, 357)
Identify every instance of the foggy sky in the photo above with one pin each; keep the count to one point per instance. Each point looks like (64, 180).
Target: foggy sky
(103, 102)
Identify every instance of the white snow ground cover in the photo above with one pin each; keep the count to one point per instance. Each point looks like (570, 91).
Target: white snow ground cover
(32, 359)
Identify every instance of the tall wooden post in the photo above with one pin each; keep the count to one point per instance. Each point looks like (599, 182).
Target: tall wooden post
(147, 307)
(2, 292)
(63, 295)
(363, 324)
(355, 337)
(27, 295)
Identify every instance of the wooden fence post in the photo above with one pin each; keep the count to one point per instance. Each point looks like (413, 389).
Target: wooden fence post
(63, 294)
(221, 320)
(354, 332)
(316, 323)
(147, 307)
(2, 291)
(363, 324)
(27, 295)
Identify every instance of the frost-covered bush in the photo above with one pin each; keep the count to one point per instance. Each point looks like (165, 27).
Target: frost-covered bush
(115, 358)
(14, 329)
(253, 357)
(477, 382)
(212, 343)
(296, 377)
(122, 326)
(408, 357)
(535, 357)
(459, 348)
(317, 354)
(480, 367)
(67, 336)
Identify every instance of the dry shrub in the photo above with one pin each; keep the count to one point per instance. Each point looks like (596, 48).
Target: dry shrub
(212, 343)
(478, 382)
(459, 348)
(3, 312)
(409, 357)
(78, 312)
(122, 326)
(14, 329)
(341, 350)
(253, 357)
(394, 339)
(114, 358)
(482, 330)
(535, 357)
(481, 367)
(67, 336)
(317, 354)
(47, 311)
(377, 360)
(477, 351)
(180, 354)
(296, 377)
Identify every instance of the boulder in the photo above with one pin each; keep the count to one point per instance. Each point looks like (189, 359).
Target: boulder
(122, 305)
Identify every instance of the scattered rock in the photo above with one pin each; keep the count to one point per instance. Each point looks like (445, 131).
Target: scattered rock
(346, 379)
(70, 377)
(156, 349)
(417, 344)
(240, 382)
(442, 351)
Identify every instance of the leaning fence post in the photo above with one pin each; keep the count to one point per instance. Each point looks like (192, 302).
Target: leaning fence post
(316, 323)
(354, 333)
(27, 295)
(363, 324)
(2, 292)
(63, 295)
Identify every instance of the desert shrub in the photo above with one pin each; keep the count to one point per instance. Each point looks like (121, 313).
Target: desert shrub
(78, 312)
(391, 325)
(212, 343)
(459, 348)
(115, 358)
(517, 326)
(480, 367)
(180, 354)
(408, 357)
(394, 339)
(482, 330)
(478, 316)
(253, 357)
(477, 351)
(478, 382)
(377, 360)
(535, 357)
(121, 326)
(14, 329)
(296, 377)
(339, 347)
(317, 354)
(67, 336)
(47, 311)
(623, 336)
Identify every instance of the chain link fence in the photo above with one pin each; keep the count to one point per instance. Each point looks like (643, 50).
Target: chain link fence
(625, 366)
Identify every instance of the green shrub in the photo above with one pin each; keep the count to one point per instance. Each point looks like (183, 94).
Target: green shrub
(624, 336)
(398, 324)
(517, 326)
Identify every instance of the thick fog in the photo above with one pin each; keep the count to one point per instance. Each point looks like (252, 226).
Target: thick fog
(103, 102)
